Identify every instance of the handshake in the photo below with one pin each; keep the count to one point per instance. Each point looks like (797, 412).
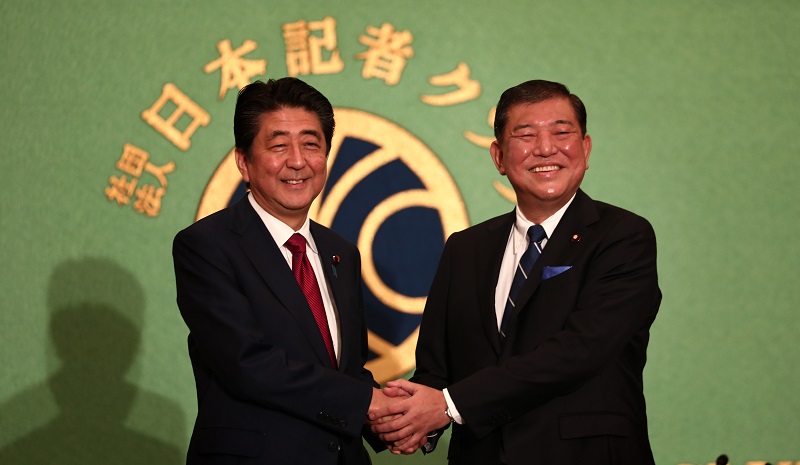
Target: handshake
(404, 413)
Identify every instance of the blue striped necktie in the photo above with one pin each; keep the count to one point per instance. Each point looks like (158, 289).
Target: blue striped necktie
(536, 235)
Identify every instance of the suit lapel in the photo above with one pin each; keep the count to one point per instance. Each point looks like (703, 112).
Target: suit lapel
(270, 263)
(326, 251)
(490, 258)
(580, 214)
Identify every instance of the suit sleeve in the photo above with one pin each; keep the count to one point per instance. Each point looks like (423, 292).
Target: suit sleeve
(617, 300)
(226, 339)
(431, 352)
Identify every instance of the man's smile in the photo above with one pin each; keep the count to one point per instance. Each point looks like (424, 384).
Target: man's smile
(543, 169)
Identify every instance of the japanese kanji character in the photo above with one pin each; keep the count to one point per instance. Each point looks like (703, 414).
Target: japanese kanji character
(148, 199)
(236, 71)
(304, 50)
(387, 54)
(120, 189)
(468, 89)
(183, 106)
(160, 171)
(133, 160)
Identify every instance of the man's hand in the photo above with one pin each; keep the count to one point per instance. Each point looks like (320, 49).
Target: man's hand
(380, 402)
(405, 424)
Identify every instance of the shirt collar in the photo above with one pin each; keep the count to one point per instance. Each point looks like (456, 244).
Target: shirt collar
(280, 231)
(521, 225)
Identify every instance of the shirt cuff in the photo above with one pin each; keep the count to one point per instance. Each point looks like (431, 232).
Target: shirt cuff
(452, 408)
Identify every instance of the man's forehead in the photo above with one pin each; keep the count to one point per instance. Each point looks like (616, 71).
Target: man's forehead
(555, 105)
(275, 119)
(544, 113)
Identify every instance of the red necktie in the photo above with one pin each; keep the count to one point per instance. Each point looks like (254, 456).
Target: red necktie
(308, 282)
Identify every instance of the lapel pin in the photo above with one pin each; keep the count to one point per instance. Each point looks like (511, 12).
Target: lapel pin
(335, 260)
(576, 238)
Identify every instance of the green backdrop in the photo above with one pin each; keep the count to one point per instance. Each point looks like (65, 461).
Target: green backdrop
(693, 109)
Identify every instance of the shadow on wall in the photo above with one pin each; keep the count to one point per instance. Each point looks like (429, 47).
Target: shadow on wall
(87, 412)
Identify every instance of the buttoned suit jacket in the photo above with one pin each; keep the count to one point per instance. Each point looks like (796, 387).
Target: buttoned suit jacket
(266, 389)
(565, 387)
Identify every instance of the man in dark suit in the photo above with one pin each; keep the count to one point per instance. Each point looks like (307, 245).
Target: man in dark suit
(273, 300)
(534, 335)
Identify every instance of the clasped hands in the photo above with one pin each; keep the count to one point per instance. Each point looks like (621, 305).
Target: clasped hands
(403, 413)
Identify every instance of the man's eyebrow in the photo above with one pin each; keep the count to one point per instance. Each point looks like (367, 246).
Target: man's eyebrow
(279, 133)
(311, 132)
(551, 124)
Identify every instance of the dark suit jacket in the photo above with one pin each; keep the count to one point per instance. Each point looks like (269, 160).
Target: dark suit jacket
(566, 385)
(266, 390)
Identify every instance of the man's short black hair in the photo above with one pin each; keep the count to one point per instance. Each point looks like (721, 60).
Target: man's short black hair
(259, 98)
(534, 92)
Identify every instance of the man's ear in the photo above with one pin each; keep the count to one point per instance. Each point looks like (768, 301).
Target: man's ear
(241, 163)
(587, 149)
(497, 157)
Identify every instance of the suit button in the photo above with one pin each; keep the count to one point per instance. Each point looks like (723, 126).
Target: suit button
(343, 423)
(333, 447)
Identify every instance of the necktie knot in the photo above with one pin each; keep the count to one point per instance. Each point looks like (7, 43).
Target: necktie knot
(536, 233)
(296, 244)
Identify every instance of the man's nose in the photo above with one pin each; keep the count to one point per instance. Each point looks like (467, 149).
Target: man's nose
(295, 159)
(545, 145)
